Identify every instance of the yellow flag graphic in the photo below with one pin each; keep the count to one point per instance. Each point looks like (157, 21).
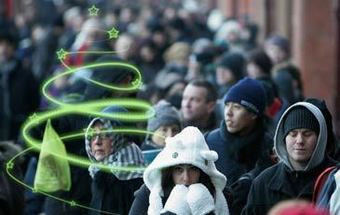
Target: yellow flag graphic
(53, 171)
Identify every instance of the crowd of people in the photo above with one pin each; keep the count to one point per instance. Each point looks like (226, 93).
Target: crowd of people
(232, 132)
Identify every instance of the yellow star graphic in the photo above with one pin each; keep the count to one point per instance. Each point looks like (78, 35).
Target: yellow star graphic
(61, 54)
(93, 10)
(113, 33)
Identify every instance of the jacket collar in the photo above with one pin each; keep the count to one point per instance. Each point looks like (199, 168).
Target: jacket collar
(281, 179)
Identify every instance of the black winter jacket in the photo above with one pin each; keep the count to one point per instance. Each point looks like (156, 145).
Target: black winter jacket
(19, 97)
(111, 194)
(238, 155)
(279, 183)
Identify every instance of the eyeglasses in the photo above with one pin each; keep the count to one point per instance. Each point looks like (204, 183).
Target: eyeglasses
(103, 134)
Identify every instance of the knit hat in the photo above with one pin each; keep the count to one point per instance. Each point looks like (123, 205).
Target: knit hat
(279, 41)
(165, 114)
(320, 148)
(300, 117)
(249, 93)
(235, 62)
(187, 147)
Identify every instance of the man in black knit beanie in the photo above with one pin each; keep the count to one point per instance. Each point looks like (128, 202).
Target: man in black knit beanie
(300, 142)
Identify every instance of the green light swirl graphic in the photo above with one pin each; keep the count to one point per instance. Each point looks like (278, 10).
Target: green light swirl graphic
(142, 112)
(10, 165)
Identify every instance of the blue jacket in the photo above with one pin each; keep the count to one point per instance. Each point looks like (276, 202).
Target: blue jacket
(238, 155)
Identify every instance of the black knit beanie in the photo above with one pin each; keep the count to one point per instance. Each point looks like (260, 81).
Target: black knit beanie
(300, 117)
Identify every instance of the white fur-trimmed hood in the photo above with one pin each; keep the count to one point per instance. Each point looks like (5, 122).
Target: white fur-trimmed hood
(187, 147)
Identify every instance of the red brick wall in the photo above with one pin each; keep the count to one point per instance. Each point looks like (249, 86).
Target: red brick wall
(314, 48)
(314, 29)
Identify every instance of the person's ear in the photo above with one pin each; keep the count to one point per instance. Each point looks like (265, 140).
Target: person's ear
(211, 106)
(253, 116)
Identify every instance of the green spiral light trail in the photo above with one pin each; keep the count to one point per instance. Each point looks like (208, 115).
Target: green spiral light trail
(142, 111)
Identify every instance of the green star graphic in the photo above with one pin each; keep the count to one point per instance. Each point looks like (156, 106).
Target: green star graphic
(73, 203)
(9, 165)
(113, 33)
(135, 83)
(33, 116)
(61, 54)
(93, 10)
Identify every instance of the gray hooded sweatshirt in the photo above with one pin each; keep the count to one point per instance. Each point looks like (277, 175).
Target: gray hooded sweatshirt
(319, 151)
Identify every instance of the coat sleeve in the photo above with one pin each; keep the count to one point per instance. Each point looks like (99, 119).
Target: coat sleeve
(334, 201)
(240, 190)
(140, 204)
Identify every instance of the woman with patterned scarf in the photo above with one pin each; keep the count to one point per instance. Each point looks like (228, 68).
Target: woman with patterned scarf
(112, 192)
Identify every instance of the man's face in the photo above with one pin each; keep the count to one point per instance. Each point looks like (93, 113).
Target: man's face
(238, 119)
(101, 143)
(194, 103)
(300, 145)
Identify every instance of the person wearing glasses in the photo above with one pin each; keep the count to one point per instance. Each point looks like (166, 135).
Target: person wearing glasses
(112, 191)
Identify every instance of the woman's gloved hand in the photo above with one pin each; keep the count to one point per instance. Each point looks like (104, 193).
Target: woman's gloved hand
(177, 203)
(199, 199)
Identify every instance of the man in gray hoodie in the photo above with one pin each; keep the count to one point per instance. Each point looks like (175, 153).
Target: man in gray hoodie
(300, 143)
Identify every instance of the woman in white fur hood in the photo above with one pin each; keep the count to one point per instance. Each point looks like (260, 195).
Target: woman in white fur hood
(182, 179)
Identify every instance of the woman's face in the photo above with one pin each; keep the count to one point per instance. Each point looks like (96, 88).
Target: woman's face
(101, 143)
(186, 174)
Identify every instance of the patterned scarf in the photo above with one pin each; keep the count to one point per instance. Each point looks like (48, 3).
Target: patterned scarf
(125, 154)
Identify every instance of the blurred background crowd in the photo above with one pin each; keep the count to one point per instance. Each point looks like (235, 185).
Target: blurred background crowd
(291, 47)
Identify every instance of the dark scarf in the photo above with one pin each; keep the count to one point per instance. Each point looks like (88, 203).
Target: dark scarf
(244, 149)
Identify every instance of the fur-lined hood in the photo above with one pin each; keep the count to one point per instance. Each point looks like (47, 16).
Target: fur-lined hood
(187, 147)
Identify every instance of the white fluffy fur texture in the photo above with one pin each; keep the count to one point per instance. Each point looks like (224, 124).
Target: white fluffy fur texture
(199, 199)
(177, 203)
(187, 147)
